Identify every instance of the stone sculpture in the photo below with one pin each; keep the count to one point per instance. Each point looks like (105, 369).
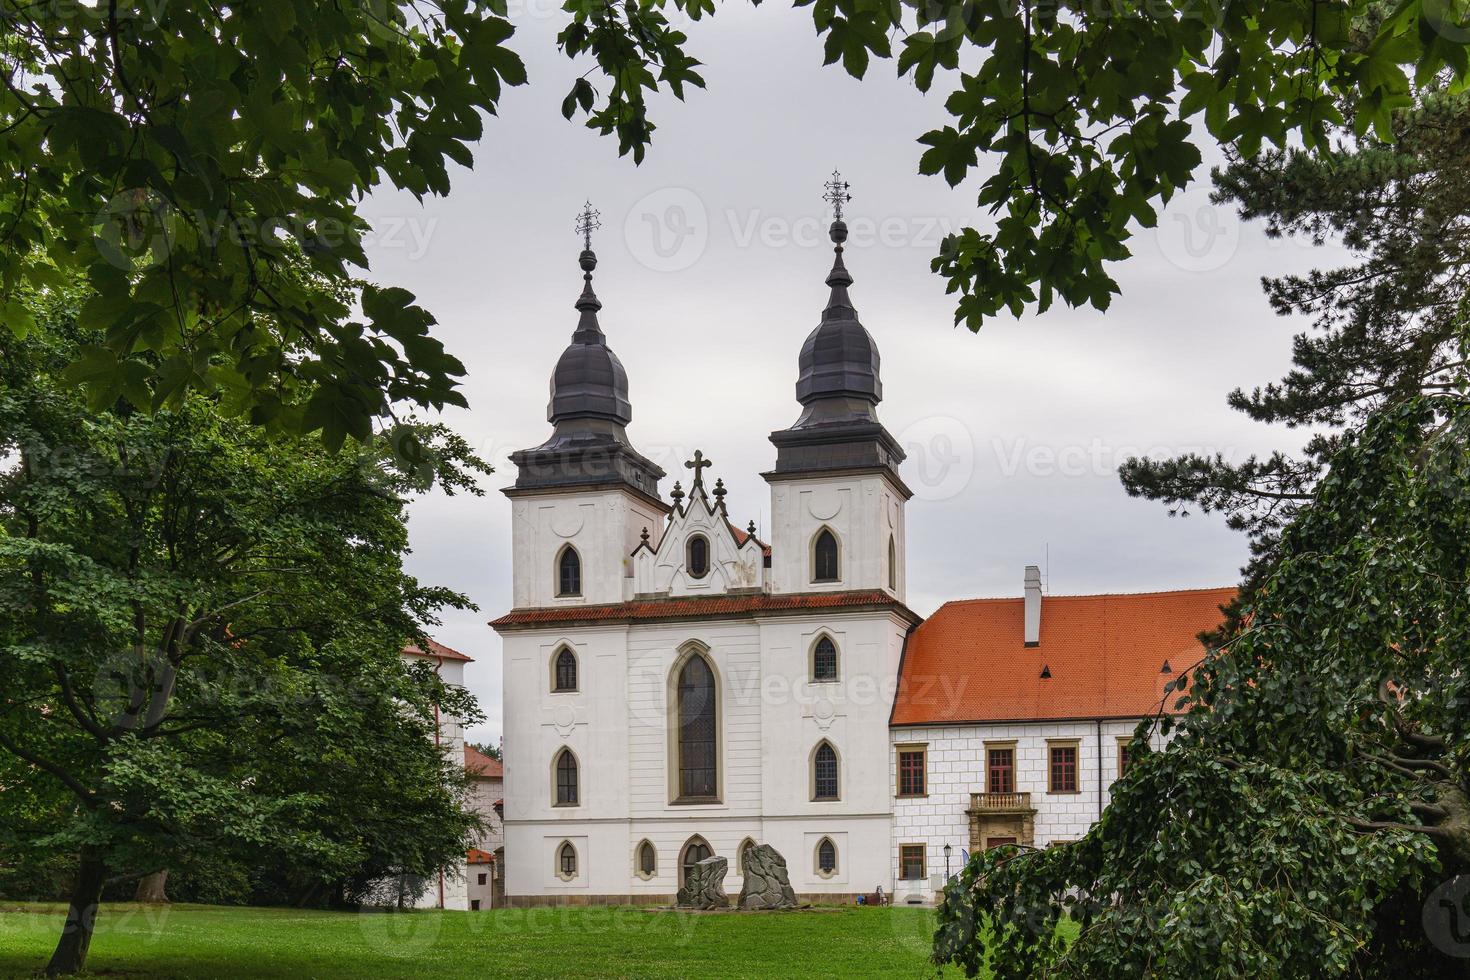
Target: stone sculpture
(704, 886)
(767, 886)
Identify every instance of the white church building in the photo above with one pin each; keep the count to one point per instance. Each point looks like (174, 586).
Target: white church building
(675, 687)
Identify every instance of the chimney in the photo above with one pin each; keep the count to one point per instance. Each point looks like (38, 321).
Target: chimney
(1033, 606)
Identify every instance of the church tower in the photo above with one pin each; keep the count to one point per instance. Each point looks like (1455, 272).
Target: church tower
(675, 687)
(837, 501)
(583, 497)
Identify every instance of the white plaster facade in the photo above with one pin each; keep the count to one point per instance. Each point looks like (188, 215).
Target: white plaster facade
(865, 511)
(771, 715)
(602, 525)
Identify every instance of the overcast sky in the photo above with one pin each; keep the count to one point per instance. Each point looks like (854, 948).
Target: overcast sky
(712, 257)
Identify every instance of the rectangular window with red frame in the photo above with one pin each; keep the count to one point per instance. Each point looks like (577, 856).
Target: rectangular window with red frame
(1000, 770)
(1063, 778)
(911, 862)
(911, 772)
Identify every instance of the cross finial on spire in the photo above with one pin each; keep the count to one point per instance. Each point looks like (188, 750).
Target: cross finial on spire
(588, 222)
(836, 195)
(697, 464)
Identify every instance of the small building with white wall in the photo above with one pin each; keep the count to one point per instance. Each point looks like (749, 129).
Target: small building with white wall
(449, 887)
(1013, 717)
(487, 857)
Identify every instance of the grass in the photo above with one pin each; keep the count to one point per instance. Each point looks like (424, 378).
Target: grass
(196, 941)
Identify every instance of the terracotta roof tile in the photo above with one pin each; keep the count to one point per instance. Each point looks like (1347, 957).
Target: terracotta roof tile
(438, 651)
(968, 661)
(740, 537)
(701, 607)
(477, 763)
(476, 856)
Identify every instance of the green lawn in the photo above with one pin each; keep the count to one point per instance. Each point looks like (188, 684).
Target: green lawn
(208, 941)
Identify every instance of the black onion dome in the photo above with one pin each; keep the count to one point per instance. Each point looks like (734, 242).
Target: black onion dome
(839, 359)
(589, 381)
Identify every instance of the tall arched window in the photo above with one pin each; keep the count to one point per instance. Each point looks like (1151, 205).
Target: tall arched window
(824, 660)
(698, 557)
(824, 557)
(565, 674)
(647, 860)
(566, 779)
(824, 773)
(826, 858)
(697, 720)
(892, 564)
(569, 572)
(695, 850)
(566, 861)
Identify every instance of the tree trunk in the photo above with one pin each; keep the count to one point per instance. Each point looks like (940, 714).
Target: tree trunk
(81, 916)
(150, 888)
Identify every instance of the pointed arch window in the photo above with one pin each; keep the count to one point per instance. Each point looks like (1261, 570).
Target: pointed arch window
(647, 860)
(825, 772)
(695, 850)
(697, 559)
(826, 858)
(824, 660)
(565, 672)
(566, 861)
(746, 846)
(892, 564)
(697, 729)
(569, 572)
(825, 557)
(567, 779)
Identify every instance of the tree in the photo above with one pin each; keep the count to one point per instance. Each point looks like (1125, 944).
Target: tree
(485, 748)
(1388, 326)
(200, 626)
(169, 151)
(1315, 791)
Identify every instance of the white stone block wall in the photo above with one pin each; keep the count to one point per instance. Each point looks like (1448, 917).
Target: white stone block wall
(956, 769)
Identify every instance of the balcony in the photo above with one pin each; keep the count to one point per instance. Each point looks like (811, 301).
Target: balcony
(1001, 802)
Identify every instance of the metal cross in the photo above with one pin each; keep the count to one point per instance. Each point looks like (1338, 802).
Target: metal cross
(587, 223)
(697, 464)
(836, 195)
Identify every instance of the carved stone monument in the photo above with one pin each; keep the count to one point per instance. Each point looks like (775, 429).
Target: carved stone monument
(704, 887)
(767, 886)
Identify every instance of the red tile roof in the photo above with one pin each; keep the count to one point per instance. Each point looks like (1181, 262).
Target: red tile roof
(436, 650)
(740, 537)
(477, 763)
(476, 856)
(969, 663)
(701, 607)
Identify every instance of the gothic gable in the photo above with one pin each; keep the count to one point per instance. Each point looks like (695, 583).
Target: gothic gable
(698, 552)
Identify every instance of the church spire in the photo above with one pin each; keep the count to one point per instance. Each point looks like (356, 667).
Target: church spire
(589, 331)
(839, 359)
(839, 306)
(838, 380)
(589, 408)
